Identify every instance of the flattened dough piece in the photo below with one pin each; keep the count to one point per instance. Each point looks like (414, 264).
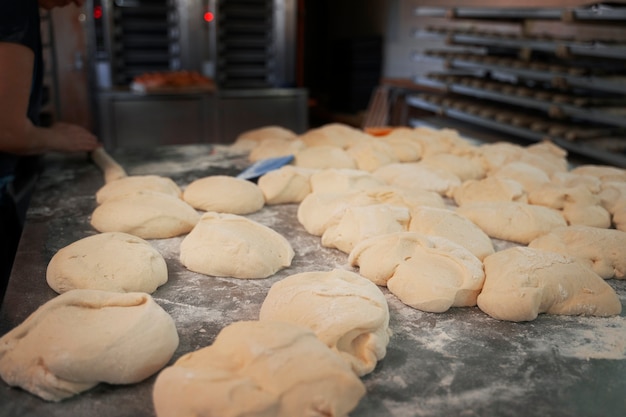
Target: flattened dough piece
(259, 368)
(512, 221)
(362, 222)
(84, 337)
(146, 214)
(110, 261)
(451, 225)
(521, 283)
(285, 185)
(228, 245)
(224, 194)
(134, 183)
(603, 250)
(347, 312)
(429, 273)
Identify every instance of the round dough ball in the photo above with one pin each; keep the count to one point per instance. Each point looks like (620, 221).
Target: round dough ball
(347, 312)
(145, 214)
(323, 157)
(512, 221)
(449, 224)
(259, 368)
(343, 180)
(224, 194)
(405, 144)
(336, 135)
(249, 139)
(362, 222)
(429, 273)
(110, 261)
(134, 183)
(84, 337)
(522, 282)
(286, 185)
(372, 154)
(228, 245)
(603, 250)
(273, 148)
(489, 189)
(418, 175)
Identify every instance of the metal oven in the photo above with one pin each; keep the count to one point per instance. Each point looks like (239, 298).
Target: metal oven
(246, 46)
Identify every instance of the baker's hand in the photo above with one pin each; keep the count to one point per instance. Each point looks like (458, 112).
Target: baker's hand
(68, 137)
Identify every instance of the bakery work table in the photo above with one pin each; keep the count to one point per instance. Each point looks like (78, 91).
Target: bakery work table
(458, 363)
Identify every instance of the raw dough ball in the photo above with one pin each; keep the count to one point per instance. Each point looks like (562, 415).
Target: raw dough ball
(603, 250)
(419, 175)
(343, 181)
(224, 194)
(145, 214)
(446, 223)
(521, 283)
(323, 157)
(262, 368)
(441, 141)
(371, 154)
(512, 221)
(273, 148)
(489, 189)
(132, 184)
(227, 245)
(83, 337)
(318, 211)
(336, 135)
(528, 175)
(362, 222)
(412, 199)
(285, 185)
(405, 144)
(346, 311)
(465, 168)
(429, 273)
(249, 139)
(109, 261)
(604, 172)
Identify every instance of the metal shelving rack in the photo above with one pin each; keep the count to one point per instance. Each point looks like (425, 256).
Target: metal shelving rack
(552, 83)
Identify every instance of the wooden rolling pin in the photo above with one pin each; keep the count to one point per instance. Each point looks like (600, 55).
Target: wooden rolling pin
(112, 170)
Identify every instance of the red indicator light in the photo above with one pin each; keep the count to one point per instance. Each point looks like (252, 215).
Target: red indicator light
(97, 12)
(208, 17)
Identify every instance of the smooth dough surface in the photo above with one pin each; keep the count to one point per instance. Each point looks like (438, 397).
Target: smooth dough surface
(343, 181)
(146, 214)
(110, 261)
(522, 282)
(512, 221)
(323, 157)
(489, 189)
(603, 250)
(451, 225)
(347, 312)
(224, 194)
(285, 185)
(260, 369)
(429, 273)
(419, 175)
(84, 337)
(228, 245)
(134, 183)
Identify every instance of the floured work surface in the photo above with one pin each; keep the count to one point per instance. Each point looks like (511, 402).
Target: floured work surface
(458, 363)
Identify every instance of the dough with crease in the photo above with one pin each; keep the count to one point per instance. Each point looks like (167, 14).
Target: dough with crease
(224, 194)
(429, 273)
(260, 369)
(347, 312)
(285, 185)
(228, 245)
(522, 282)
(84, 337)
(110, 261)
(603, 250)
(146, 214)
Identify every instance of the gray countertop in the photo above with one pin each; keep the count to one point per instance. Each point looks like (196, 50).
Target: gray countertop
(458, 363)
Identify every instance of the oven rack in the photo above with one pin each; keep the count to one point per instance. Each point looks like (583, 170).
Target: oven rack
(604, 144)
(596, 78)
(555, 104)
(597, 11)
(564, 48)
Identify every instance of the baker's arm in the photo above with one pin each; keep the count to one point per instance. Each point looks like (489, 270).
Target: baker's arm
(18, 135)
